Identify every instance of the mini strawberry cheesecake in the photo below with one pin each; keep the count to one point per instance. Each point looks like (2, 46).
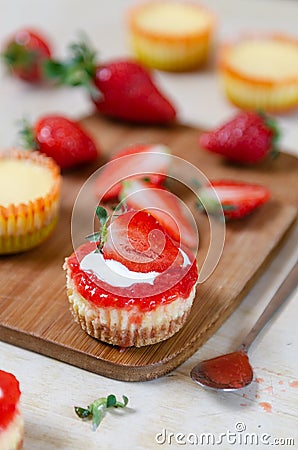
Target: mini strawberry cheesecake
(131, 285)
(11, 420)
(261, 72)
(171, 35)
(29, 199)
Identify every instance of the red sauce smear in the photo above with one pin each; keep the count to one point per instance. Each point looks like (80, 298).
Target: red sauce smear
(9, 397)
(232, 370)
(266, 406)
(167, 287)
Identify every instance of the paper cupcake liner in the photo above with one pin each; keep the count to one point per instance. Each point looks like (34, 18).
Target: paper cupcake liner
(259, 91)
(129, 327)
(250, 95)
(23, 226)
(176, 57)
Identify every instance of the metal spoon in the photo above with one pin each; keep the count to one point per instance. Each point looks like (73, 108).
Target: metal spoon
(233, 370)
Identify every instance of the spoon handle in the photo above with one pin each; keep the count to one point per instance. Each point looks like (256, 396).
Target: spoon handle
(282, 293)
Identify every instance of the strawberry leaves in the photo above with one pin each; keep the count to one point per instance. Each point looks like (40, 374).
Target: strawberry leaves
(97, 409)
(26, 135)
(78, 69)
(25, 54)
(272, 124)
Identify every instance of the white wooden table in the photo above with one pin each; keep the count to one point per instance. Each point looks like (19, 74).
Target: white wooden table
(172, 404)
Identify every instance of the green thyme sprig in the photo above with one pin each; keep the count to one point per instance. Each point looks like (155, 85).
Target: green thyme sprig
(100, 237)
(97, 410)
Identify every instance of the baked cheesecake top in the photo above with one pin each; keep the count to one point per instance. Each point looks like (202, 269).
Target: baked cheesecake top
(267, 58)
(22, 180)
(171, 18)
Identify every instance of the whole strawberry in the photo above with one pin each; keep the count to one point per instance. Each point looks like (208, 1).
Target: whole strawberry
(62, 139)
(247, 138)
(122, 89)
(129, 93)
(25, 53)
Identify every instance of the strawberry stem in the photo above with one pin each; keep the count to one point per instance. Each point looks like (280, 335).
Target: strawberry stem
(16, 56)
(27, 137)
(273, 125)
(78, 69)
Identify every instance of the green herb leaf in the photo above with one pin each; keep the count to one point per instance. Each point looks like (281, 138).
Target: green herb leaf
(100, 236)
(120, 404)
(94, 237)
(97, 410)
(82, 413)
(97, 416)
(102, 215)
(111, 401)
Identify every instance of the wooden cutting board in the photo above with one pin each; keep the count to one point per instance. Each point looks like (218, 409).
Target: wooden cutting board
(34, 311)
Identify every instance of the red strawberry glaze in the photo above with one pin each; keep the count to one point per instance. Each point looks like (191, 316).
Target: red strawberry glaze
(170, 285)
(9, 398)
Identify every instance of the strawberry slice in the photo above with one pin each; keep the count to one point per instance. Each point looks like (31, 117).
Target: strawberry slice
(150, 162)
(164, 206)
(137, 240)
(238, 199)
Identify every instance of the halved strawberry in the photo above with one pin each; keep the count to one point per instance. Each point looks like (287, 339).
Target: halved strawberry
(238, 199)
(150, 162)
(164, 206)
(138, 241)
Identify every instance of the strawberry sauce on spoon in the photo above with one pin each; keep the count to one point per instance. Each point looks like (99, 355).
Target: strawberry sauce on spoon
(233, 370)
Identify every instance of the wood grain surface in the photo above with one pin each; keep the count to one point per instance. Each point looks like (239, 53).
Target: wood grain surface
(34, 311)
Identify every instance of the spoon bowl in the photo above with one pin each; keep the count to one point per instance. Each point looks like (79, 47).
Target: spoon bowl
(226, 372)
(233, 371)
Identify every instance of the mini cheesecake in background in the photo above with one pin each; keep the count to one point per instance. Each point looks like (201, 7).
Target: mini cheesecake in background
(11, 420)
(29, 199)
(171, 35)
(260, 72)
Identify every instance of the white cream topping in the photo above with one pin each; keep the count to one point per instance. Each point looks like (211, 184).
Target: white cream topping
(116, 274)
(22, 181)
